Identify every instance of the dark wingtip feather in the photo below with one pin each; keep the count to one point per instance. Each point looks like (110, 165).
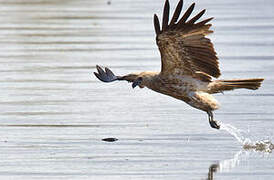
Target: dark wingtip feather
(186, 15)
(204, 22)
(156, 24)
(195, 18)
(176, 13)
(165, 16)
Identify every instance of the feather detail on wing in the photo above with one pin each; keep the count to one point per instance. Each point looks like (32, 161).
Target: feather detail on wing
(183, 46)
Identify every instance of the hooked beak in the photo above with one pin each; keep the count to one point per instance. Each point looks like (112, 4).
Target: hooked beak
(136, 83)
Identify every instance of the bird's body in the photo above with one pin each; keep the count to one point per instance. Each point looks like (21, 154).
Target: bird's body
(192, 91)
(189, 63)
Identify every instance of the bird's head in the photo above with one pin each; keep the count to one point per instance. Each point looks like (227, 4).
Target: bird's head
(144, 79)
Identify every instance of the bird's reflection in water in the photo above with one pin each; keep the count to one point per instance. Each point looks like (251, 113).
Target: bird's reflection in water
(226, 165)
(212, 169)
(263, 146)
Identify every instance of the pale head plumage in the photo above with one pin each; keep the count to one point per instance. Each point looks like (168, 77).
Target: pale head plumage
(145, 79)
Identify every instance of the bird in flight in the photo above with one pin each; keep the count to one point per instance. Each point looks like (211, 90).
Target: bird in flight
(188, 63)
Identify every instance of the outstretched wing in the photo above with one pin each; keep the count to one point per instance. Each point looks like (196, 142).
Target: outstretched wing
(183, 46)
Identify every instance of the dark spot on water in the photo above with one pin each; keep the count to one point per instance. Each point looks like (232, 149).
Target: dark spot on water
(109, 2)
(110, 139)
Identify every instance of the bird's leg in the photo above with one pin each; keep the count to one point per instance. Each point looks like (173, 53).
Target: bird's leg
(212, 122)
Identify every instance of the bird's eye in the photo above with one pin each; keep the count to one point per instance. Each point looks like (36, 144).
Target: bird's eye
(140, 79)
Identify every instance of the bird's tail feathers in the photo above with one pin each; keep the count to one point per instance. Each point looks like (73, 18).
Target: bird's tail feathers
(227, 85)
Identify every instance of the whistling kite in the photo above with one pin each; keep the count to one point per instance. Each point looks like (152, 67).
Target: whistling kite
(189, 62)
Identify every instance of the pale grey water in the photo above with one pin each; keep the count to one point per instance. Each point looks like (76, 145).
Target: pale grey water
(54, 112)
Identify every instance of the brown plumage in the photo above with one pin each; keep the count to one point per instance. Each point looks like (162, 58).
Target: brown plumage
(189, 63)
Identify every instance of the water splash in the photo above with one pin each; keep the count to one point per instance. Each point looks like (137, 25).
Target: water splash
(241, 136)
(237, 133)
(228, 164)
(264, 145)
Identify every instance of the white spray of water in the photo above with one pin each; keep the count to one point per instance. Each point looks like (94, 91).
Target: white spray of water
(262, 145)
(228, 164)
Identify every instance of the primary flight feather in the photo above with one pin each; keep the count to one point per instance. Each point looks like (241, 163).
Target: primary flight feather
(189, 62)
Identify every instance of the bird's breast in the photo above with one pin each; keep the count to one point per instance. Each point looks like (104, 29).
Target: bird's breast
(183, 84)
(178, 88)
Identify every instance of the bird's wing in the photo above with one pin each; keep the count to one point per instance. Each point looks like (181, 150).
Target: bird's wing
(183, 46)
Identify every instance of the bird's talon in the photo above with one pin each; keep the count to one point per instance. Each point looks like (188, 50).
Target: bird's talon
(214, 124)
